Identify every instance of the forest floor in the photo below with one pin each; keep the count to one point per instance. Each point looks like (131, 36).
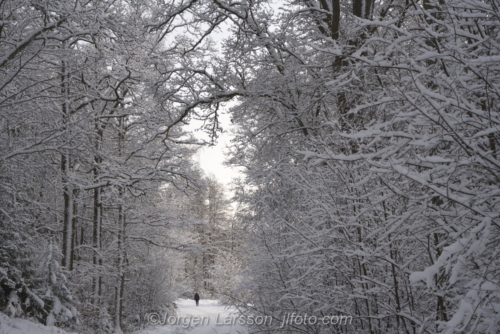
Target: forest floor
(24, 326)
(216, 319)
(210, 311)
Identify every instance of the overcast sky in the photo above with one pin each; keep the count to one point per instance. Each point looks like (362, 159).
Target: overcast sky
(211, 159)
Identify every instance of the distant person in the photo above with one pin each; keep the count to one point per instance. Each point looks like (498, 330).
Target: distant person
(197, 298)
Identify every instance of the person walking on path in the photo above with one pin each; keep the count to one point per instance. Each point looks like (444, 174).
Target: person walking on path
(197, 298)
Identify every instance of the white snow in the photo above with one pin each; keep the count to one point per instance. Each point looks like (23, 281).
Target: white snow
(489, 286)
(208, 311)
(463, 315)
(23, 326)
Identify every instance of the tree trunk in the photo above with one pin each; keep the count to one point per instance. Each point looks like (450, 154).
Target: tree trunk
(67, 249)
(97, 219)
(121, 240)
(121, 266)
(96, 244)
(68, 245)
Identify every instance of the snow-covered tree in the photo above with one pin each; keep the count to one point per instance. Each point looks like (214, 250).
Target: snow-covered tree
(367, 150)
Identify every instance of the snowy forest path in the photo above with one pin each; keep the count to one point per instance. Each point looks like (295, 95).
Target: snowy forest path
(210, 312)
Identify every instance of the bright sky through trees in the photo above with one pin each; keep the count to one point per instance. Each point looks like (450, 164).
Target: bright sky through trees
(211, 158)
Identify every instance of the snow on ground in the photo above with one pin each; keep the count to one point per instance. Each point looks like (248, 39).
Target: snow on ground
(23, 326)
(215, 318)
(189, 317)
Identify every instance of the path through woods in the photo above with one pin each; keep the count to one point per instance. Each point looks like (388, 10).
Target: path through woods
(208, 309)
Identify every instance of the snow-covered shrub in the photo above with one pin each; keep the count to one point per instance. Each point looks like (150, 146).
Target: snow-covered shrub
(59, 303)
